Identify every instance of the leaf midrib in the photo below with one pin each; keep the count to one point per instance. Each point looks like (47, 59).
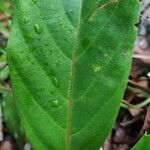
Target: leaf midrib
(70, 99)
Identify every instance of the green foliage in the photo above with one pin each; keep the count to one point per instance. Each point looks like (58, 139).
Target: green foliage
(69, 62)
(5, 12)
(4, 70)
(4, 8)
(143, 144)
(4, 73)
(12, 119)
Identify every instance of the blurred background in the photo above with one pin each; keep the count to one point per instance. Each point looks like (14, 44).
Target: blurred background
(134, 116)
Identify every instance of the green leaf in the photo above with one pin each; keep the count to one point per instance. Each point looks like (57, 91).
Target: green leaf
(2, 57)
(143, 144)
(12, 119)
(4, 8)
(4, 73)
(69, 63)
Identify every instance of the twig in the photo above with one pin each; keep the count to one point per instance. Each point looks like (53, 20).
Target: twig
(5, 89)
(129, 122)
(127, 105)
(139, 86)
(141, 57)
(146, 102)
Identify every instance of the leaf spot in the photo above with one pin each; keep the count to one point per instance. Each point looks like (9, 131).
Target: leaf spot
(96, 68)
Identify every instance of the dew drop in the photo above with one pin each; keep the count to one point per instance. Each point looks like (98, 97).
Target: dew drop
(37, 29)
(55, 81)
(55, 103)
(26, 20)
(46, 9)
(61, 22)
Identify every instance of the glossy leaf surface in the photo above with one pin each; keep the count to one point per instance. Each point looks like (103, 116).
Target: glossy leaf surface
(69, 63)
(143, 144)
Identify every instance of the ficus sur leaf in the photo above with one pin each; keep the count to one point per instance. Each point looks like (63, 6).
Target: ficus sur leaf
(69, 62)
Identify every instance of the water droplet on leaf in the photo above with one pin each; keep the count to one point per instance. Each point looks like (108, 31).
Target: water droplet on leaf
(26, 20)
(37, 29)
(46, 9)
(61, 22)
(55, 81)
(55, 103)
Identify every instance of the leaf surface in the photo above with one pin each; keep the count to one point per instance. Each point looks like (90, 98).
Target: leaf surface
(12, 119)
(69, 63)
(143, 144)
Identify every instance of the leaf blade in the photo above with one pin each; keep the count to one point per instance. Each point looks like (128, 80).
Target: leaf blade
(51, 37)
(144, 143)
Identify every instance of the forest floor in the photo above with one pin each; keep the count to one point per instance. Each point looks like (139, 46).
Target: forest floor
(134, 116)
